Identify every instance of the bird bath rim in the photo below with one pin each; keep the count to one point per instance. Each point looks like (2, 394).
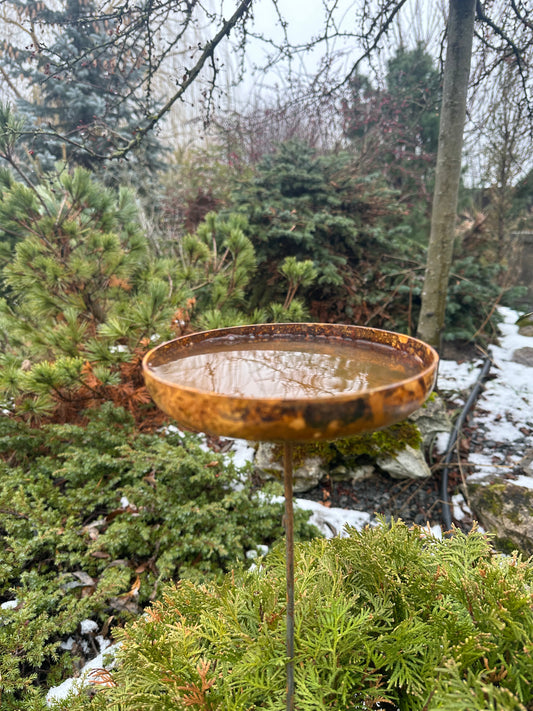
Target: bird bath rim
(305, 419)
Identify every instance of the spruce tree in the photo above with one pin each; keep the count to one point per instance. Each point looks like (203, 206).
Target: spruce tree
(83, 98)
(318, 207)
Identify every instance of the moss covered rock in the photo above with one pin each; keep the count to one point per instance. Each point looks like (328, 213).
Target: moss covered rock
(506, 510)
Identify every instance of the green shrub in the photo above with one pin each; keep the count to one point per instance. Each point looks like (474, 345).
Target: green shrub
(389, 617)
(317, 207)
(219, 263)
(472, 293)
(94, 519)
(365, 241)
(85, 298)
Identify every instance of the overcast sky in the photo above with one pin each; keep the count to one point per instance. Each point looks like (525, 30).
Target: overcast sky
(419, 20)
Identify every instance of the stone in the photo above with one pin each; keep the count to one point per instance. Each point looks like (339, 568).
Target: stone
(352, 474)
(505, 510)
(526, 330)
(409, 463)
(432, 419)
(306, 474)
(524, 356)
(526, 463)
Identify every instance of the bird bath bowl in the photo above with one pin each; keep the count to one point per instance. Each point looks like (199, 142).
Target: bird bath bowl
(296, 382)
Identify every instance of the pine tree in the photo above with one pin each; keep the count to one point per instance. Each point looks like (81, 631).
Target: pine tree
(83, 102)
(83, 297)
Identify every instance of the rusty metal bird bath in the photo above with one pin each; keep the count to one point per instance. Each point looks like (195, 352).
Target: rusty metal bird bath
(290, 383)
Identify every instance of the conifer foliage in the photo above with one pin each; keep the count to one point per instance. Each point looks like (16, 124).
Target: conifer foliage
(84, 299)
(83, 296)
(387, 618)
(94, 519)
(304, 205)
(84, 102)
(395, 129)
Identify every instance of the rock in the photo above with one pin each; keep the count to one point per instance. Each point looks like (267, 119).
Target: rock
(432, 419)
(524, 356)
(505, 510)
(409, 463)
(526, 463)
(359, 473)
(306, 474)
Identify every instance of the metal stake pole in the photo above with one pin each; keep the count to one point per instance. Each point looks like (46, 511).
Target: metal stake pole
(289, 537)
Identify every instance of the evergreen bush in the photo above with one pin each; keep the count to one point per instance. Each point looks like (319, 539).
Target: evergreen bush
(93, 520)
(388, 618)
(365, 245)
(473, 291)
(85, 298)
(393, 129)
(316, 207)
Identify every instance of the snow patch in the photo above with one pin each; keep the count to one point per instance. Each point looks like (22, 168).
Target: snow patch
(9, 604)
(88, 626)
(524, 480)
(242, 452)
(74, 685)
(455, 377)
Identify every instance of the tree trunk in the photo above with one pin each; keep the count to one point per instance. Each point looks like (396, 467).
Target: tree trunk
(453, 112)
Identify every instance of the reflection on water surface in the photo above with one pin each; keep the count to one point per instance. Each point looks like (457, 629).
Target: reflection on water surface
(279, 368)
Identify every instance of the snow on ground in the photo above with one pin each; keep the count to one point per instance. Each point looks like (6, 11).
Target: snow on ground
(329, 520)
(104, 660)
(508, 399)
(457, 376)
(504, 411)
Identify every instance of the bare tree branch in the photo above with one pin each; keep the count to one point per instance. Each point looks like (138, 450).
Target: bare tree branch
(189, 78)
(481, 15)
(10, 84)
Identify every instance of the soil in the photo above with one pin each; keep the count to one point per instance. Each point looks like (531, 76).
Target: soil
(460, 351)
(414, 501)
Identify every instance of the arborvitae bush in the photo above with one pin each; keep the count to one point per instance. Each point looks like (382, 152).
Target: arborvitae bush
(389, 618)
(94, 519)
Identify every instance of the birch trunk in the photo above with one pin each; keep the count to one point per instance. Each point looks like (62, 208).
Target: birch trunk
(448, 173)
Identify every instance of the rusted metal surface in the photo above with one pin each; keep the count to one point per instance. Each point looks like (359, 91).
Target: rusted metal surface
(299, 420)
(289, 559)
